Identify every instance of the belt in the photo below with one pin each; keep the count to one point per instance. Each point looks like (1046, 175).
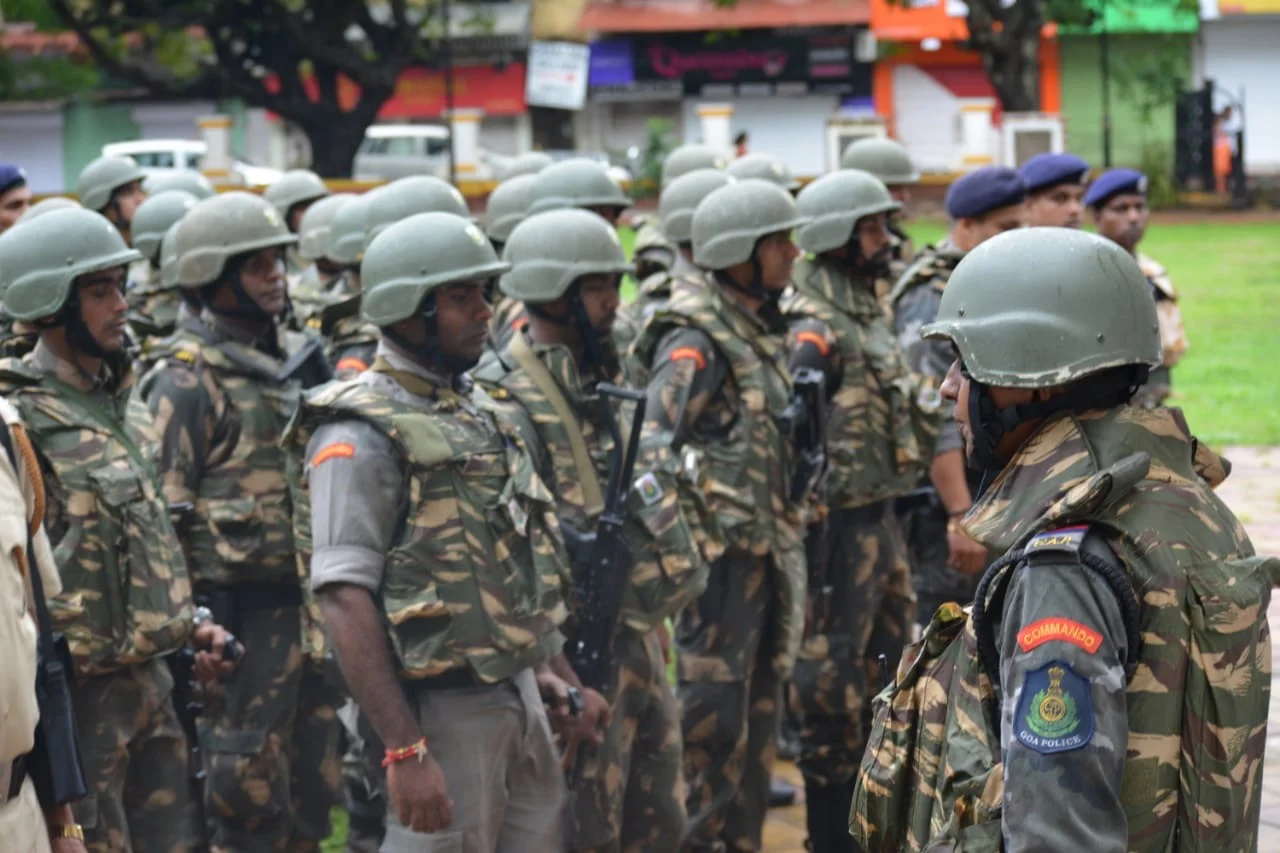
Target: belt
(12, 776)
(865, 514)
(462, 678)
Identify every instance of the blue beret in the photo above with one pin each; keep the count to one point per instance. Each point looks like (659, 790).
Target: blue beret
(1114, 182)
(983, 190)
(11, 176)
(1048, 170)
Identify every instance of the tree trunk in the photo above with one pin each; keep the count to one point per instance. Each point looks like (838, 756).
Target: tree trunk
(335, 136)
(1008, 40)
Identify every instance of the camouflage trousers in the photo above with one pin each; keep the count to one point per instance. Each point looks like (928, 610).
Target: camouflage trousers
(630, 796)
(135, 761)
(731, 700)
(363, 781)
(269, 737)
(839, 669)
(925, 529)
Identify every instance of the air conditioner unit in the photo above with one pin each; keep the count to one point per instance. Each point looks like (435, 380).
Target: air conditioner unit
(843, 131)
(1024, 135)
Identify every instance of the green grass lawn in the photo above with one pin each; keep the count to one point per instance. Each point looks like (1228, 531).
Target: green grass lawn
(1228, 281)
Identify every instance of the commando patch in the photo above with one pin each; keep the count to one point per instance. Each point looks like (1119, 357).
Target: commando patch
(649, 488)
(1058, 628)
(1066, 539)
(1055, 710)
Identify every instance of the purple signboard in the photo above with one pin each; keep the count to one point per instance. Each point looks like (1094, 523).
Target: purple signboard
(611, 63)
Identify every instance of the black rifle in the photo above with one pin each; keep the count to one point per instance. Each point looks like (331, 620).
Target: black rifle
(603, 559)
(806, 419)
(54, 762)
(308, 365)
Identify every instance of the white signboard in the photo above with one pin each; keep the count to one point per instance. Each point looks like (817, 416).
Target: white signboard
(556, 75)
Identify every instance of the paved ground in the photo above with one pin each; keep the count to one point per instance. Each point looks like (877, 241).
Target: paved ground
(1253, 492)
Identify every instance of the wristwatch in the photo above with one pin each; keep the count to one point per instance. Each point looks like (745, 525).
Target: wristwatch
(67, 830)
(204, 616)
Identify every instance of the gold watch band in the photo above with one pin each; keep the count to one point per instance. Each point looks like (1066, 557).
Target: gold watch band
(67, 830)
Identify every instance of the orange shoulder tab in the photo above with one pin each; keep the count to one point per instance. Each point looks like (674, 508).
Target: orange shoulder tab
(689, 354)
(337, 450)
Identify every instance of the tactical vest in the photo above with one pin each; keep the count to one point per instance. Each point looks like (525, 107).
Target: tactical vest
(880, 434)
(476, 574)
(241, 528)
(1198, 698)
(126, 595)
(670, 568)
(746, 473)
(933, 266)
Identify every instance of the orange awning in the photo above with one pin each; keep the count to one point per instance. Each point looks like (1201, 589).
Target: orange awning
(640, 16)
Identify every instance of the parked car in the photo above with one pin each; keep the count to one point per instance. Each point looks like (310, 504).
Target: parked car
(391, 151)
(159, 155)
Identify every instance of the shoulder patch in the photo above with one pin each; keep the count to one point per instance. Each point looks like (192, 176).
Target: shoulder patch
(689, 354)
(649, 489)
(350, 362)
(1059, 628)
(818, 341)
(1055, 710)
(1064, 539)
(337, 450)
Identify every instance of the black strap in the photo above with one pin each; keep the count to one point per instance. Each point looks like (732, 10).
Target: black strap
(43, 621)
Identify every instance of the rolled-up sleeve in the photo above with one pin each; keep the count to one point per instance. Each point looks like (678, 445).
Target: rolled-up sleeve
(357, 487)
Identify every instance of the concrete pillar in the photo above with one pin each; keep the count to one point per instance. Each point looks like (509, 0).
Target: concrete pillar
(217, 164)
(465, 125)
(716, 120)
(978, 145)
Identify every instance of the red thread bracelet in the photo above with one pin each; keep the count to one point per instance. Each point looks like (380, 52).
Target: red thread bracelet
(404, 753)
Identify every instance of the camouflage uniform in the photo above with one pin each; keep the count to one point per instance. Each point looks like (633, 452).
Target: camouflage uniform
(16, 337)
(719, 380)
(913, 303)
(651, 295)
(631, 794)
(1173, 338)
(900, 260)
(653, 250)
(508, 318)
(1122, 637)
(98, 447)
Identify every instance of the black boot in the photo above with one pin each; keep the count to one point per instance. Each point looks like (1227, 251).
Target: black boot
(827, 818)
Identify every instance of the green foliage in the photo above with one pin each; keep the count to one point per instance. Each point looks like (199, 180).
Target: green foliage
(45, 77)
(1152, 79)
(31, 11)
(657, 145)
(1157, 165)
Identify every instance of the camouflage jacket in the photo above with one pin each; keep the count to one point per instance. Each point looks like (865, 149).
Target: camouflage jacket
(126, 595)
(653, 252)
(670, 545)
(221, 407)
(508, 318)
(883, 419)
(736, 436)
(334, 315)
(650, 295)
(1173, 337)
(16, 337)
(477, 574)
(1132, 703)
(902, 255)
(912, 305)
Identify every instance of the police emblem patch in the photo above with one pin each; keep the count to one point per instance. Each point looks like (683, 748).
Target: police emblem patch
(649, 488)
(1055, 710)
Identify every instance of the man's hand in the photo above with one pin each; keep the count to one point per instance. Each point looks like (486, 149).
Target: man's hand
(965, 555)
(589, 725)
(210, 664)
(420, 795)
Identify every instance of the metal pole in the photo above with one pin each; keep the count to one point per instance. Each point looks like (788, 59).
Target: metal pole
(448, 88)
(1105, 48)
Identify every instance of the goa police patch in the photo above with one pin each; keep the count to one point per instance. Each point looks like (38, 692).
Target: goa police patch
(1055, 711)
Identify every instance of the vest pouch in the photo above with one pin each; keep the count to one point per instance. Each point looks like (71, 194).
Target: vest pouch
(1228, 679)
(895, 786)
(670, 570)
(243, 533)
(146, 583)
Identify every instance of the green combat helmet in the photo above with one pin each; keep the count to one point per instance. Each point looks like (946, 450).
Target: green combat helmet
(762, 167)
(1040, 307)
(729, 222)
(40, 260)
(885, 158)
(406, 197)
(346, 232)
(103, 177)
(576, 183)
(690, 158)
(187, 180)
(48, 205)
(681, 198)
(507, 207)
(415, 256)
(834, 203)
(297, 186)
(169, 258)
(529, 163)
(549, 251)
(219, 229)
(157, 215)
(314, 229)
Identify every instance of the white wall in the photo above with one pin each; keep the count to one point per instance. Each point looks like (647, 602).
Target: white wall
(926, 119)
(171, 121)
(33, 140)
(792, 128)
(1241, 53)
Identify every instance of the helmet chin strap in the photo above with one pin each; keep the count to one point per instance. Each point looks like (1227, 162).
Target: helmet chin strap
(859, 263)
(989, 424)
(246, 307)
(437, 359)
(596, 349)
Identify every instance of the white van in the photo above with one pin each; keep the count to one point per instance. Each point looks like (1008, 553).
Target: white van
(391, 151)
(162, 155)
